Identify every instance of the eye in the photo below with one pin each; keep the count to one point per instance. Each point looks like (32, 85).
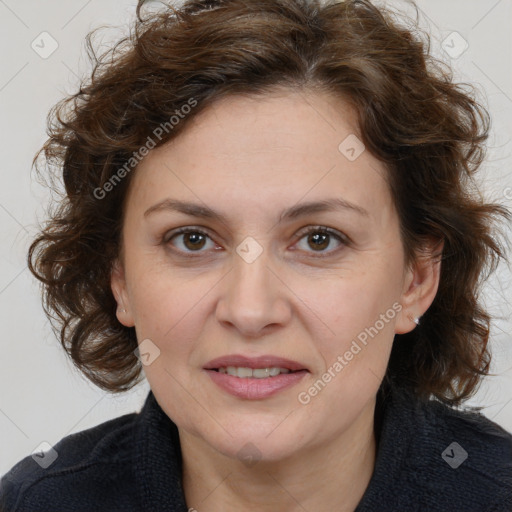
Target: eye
(190, 240)
(320, 238)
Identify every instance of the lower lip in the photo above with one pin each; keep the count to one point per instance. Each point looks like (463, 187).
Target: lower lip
(255, 389)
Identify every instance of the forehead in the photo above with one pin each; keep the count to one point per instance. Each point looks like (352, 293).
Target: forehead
(254, 151)
(256, 124)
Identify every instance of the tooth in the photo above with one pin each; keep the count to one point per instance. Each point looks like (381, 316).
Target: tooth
(244, 372)
(262, 373)
(257, 373)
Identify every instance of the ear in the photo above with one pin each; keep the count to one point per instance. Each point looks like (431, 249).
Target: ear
(119, 289)
(420, 286)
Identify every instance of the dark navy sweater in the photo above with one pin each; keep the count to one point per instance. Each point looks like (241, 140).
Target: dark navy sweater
(430, 458)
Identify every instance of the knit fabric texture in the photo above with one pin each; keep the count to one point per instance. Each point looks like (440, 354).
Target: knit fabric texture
(430, 458)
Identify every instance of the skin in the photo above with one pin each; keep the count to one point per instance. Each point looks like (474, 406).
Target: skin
(250, 159)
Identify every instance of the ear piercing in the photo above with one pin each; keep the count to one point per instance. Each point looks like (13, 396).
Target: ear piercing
(416, 319)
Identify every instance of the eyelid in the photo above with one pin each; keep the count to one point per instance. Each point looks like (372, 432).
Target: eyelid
(343, 239)
(168, 236)
(185, 229)
(330, 231)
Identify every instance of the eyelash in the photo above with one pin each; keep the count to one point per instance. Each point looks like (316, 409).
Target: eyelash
(343, 239)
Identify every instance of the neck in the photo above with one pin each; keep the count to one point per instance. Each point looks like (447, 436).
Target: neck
(324, 477)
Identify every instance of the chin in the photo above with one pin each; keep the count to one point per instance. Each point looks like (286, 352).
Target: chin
(255, 444)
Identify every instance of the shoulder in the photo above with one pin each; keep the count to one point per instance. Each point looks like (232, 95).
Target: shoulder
(98, 454)
(481, 435)
(476, 452)
(469, 440)
(458, 457)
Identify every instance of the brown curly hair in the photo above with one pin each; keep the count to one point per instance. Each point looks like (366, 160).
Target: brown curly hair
(429, 132)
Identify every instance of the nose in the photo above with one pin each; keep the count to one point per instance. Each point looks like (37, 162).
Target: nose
(253, 298)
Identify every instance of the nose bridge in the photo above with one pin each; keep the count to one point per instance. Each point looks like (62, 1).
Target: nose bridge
(253, 297)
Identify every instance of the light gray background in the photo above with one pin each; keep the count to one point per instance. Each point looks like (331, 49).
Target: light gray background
(42, 397)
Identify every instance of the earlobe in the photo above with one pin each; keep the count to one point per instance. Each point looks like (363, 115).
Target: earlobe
(118, 287)
(420, 288)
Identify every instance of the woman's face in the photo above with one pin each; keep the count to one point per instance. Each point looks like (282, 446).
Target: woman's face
(257, 274)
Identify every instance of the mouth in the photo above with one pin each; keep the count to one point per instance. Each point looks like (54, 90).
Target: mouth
(261, 367)
(243, 372)
(255, 378)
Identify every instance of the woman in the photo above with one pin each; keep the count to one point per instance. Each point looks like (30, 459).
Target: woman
(268, 213)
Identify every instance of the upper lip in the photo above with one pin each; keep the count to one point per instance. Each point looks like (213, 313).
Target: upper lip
(264, 361)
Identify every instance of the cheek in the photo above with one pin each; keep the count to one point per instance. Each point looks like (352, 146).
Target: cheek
(347, 305)
(355, 318)
(171, 311)
(355, 357)
(167, 307)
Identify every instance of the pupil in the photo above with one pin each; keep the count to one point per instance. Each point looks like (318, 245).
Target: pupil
(320, 240)
(195, 239)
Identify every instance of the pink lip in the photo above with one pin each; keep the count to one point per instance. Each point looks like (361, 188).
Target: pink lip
(251, 388)
(265, 361)
(255, 389)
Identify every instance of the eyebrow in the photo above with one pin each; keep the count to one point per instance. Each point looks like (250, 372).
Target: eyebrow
(300, 210)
